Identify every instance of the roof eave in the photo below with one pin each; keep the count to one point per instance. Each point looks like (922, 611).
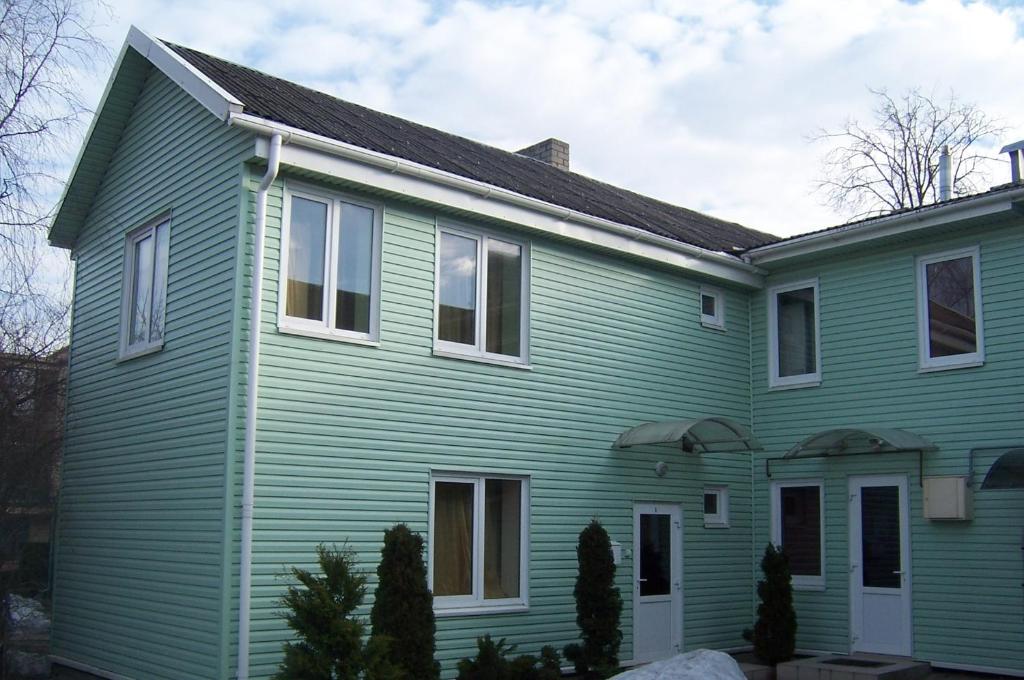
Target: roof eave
(64, 229)
(983, 205)
(717, 263)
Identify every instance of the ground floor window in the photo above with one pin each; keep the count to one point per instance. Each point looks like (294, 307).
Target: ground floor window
(798, 526)
(478, 541)
(716, 507)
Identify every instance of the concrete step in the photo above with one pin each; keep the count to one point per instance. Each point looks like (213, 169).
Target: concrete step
(755, 671)
(853, 667)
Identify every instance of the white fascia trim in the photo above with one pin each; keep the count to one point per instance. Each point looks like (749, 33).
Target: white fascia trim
(982, 206)
(352, 163)
(85, 144)
(219, 101)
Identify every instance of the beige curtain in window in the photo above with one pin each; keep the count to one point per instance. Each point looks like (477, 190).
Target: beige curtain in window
(453, 539)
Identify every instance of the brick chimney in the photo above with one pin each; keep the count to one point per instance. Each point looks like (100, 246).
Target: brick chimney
(551, 151)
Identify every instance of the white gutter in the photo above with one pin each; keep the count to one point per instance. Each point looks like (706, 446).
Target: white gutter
(984, 205)
(251, 387)
(481, 189)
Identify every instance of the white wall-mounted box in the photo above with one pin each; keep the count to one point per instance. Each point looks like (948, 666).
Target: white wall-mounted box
(616, 552)
(948, 498)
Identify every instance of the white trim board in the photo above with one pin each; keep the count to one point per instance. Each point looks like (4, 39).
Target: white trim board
(350, 163)
(212, 96)
(985, 205)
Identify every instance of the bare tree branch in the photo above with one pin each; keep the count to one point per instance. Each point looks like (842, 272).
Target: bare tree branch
(45, 47)
(892, 164)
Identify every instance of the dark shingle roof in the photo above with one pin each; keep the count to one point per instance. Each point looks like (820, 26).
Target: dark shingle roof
(286, 102)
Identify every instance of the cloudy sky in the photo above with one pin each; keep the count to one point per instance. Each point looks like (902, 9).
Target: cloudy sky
(709, 104)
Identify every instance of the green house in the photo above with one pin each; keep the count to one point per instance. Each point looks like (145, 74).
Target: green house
(494, 350)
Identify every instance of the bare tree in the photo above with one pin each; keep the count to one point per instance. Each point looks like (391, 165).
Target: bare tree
(893, 163)
(46, 49)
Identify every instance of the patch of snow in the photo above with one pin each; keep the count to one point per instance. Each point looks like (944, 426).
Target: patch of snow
(26, 618)
(700, 664)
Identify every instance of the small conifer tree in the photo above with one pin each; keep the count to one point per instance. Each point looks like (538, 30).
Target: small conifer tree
(320, 611)
(774, 634)
(598, 606)
(403, 607)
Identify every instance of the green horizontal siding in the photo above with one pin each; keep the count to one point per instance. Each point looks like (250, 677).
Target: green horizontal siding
(138, 576)
(348, 434)
(966, 576)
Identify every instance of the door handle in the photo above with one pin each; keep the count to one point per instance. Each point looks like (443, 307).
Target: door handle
(641, 580)
(900, 572)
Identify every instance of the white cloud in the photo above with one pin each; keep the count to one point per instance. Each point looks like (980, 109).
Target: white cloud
(704, 103)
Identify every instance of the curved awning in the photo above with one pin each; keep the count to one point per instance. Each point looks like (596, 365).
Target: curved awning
(1007, 472)
(856, 441)
(845, 441)
(713, 434)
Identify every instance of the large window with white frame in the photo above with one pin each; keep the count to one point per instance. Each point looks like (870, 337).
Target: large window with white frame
(798, 525)
(794, 348)
(482, 295)
(330, 265)
(949, 310)
(479, 538)
(144, 289)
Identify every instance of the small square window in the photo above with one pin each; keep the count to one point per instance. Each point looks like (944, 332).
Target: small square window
(712, 308)
(144, 289)
(949, 310)
(716, 507)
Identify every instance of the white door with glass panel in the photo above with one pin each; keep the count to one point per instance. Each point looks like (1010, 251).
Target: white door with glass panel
(658, 581)
(880, 565)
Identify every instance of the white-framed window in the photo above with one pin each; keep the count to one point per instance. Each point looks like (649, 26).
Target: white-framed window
(794, 346)
(482, 296)
(716, 507)
(950, 328)
(712, 307)
(479, 542)
(330, 265)
(798, 525)
(144, 288)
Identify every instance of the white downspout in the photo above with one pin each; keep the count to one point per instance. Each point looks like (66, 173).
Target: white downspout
(251, 387)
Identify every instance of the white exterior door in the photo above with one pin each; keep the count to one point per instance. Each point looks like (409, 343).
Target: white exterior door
(658, 581)
(880, 566)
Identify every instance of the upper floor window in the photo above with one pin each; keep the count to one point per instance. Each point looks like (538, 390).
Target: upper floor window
(479, 541)
(144, 290)
(712, 308)
(798, 525)
(482, 295)
(330, 266)
(794, 348)
(949, 310)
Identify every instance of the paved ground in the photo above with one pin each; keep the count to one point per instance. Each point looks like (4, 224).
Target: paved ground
(68, 674)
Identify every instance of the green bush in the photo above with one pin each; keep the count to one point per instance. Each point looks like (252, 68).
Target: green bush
(774, 634)
(492, 662)
(403, 608)
(598, 606)
(330, 644)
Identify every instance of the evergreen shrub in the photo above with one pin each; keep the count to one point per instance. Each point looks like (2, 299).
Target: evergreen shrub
(403, 607)
(774, 634)
(598, 606)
